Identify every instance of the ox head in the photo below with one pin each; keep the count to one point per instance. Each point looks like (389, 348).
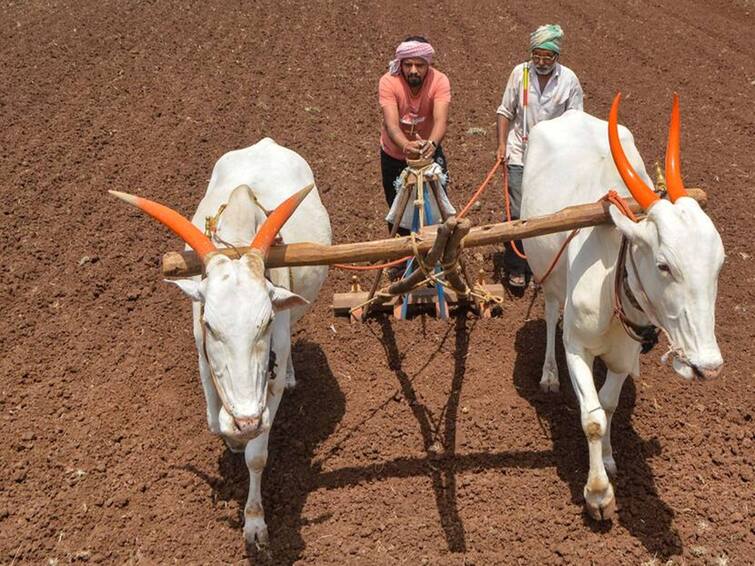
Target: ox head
(238, 305)
(678, 255)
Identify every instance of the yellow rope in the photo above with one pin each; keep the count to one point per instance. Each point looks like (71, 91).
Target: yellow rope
(420, 261)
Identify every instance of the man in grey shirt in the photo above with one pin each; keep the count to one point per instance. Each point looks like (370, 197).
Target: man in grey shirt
(551, 89)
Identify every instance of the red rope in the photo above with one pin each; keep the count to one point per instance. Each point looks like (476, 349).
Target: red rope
(508, 210)
(611, 196)
(481, 188)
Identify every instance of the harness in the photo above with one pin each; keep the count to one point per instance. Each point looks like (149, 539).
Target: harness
(646, 335)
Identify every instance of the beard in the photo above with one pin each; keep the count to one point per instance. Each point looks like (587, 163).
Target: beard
(545, 69)
(414, 80)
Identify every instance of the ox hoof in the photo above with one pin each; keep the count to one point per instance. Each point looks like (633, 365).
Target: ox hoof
(549, 384)
(549, 380)
(255, 533)
(601, 506)
(214, 425)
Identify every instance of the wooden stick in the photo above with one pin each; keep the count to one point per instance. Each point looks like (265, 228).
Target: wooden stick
(186, 264)
(406, 285)
(452, 254)
(436, 188)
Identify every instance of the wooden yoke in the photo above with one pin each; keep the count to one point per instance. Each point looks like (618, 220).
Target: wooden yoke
(187, 264)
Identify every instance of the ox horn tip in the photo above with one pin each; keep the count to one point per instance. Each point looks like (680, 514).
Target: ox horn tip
(306, 190)
(131, 199)
(298, 197)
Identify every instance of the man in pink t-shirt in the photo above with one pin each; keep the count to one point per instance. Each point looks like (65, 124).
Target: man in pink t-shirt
(414, 98)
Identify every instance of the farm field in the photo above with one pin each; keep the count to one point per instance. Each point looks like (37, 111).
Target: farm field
(416, 442)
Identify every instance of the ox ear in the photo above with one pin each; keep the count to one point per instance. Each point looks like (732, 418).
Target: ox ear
(636, 232)
(284, 299)
(193, 288)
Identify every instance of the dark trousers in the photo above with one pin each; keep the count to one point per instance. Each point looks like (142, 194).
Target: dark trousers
(391, 168)
(512, 263)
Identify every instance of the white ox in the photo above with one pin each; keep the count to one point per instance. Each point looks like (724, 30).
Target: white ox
(674, 258)
(240, 316)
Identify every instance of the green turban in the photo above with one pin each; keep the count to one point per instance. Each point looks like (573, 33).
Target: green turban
(547, 37)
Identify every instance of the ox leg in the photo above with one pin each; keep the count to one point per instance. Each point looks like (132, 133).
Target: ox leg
(609, 399)
(255, 455)
(598, 492)
(549, 380)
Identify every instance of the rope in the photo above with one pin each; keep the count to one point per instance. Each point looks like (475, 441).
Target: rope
(553, 264)
(611, 196)
(429, 277)
(371, 267)
(508, 210)
(480, 189)
(418, 257)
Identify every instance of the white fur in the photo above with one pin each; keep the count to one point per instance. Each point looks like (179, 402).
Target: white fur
(245, 315)
(569, 162)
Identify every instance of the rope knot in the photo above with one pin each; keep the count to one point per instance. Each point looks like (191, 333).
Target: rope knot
(615, 198)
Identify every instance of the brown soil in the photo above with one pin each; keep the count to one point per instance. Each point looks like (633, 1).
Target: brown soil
(419, 442)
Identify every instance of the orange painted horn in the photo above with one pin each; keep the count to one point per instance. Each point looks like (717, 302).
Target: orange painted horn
(172, 220)
(640, 191)
(674, 183)
(269, 230)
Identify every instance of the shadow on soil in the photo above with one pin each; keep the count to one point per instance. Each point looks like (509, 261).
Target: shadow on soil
(440, 446)
(640, 509)
(299, 427)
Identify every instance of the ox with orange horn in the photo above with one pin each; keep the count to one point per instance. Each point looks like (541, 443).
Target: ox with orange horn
(618, 286)
(243, 314)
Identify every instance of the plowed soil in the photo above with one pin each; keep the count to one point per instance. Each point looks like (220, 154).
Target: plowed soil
(413, 442)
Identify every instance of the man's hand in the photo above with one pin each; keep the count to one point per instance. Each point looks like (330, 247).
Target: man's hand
(413, 149)
(428, 149)
(501, 153)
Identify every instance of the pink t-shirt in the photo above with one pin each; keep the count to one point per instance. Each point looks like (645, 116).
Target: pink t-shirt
(415, 112)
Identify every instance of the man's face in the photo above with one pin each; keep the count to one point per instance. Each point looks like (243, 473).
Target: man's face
(414, 70)
(544, 60)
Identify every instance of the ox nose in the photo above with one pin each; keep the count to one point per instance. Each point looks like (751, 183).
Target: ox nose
(247, 425)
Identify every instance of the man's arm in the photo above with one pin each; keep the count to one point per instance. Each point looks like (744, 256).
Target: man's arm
(506, 112)
(440, 125)
(390, 117)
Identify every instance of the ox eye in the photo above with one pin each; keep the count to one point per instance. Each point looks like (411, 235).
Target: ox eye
(664, 267)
